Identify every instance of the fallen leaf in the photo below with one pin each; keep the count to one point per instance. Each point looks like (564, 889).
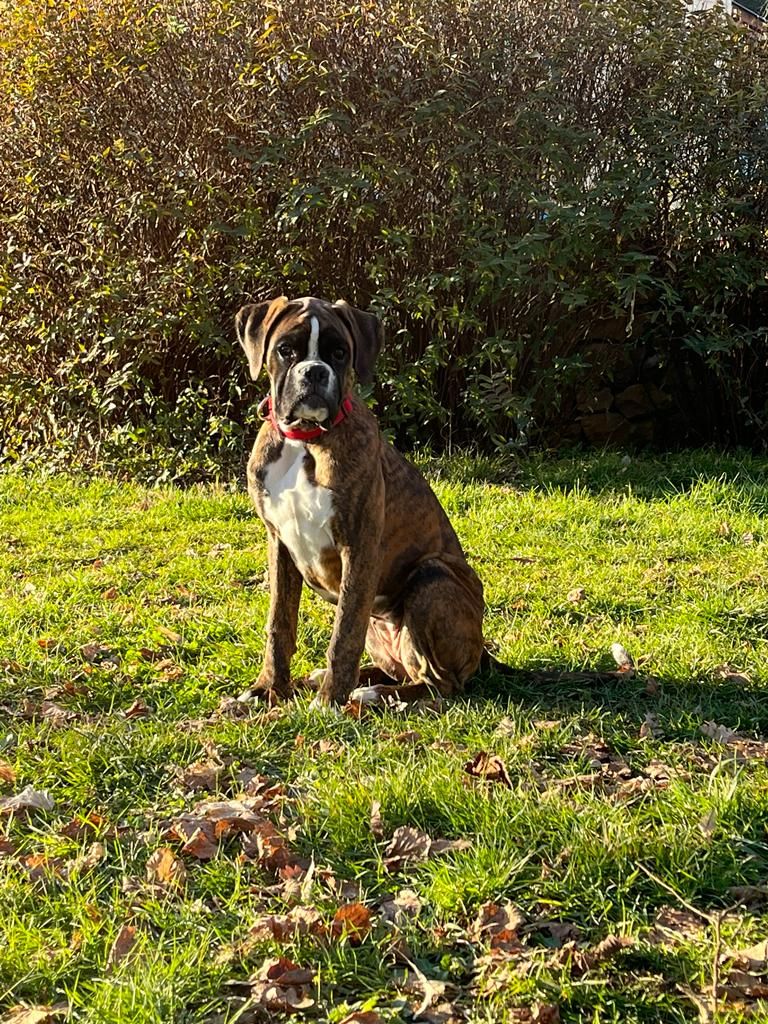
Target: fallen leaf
(396, 911)
(40, 866)
(729, 674)
(201, 845)
(47, 643)
(539, 1013)
(29, 799)
(285, 927)
(488, 768)
(583, 960)
(352, 921)
(281, 985)
(7, 772)
(87, 861)
(110, 594)
(622, 658)
(708, 823)
(124, 942)
(443, 1013)
(577, 595)
(362, 1017)
(494, 919)
(440, 846)
(409, 736)
(95, 653)
(719, 733)
(754, 959)
(651, 727)
(164, 868)
(170, 634)
(407, 844)
(377, 825)
(137, 710)
(673, 926)
(34, 1014)
(7, 847)
(200, 775)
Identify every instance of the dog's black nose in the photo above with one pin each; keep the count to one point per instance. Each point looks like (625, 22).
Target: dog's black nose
(315, 373)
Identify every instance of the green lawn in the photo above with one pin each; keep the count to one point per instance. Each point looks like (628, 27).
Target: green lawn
(117, 599)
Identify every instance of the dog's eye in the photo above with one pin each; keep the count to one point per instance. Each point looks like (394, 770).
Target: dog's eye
(339, 352)
(285, 351)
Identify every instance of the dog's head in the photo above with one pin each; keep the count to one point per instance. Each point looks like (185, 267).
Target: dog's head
(311, 349)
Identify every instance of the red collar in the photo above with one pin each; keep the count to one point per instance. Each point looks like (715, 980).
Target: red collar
(265, 411)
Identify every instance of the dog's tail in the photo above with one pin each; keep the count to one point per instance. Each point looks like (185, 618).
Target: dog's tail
(488, 663)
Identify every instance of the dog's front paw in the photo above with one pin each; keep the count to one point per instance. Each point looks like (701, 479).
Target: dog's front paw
(325, 707)
(266, 692)
(367, 695)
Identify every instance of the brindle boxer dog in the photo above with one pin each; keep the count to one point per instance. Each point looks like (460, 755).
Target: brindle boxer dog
(350, 517)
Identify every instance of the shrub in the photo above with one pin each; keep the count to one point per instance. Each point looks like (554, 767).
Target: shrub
(538, 198)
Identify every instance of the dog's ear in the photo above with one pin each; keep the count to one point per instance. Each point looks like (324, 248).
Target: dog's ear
(367, 336)
(252, 324)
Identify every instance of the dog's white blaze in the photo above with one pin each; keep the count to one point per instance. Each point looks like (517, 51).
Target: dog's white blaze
(298, 509)
(313, 352)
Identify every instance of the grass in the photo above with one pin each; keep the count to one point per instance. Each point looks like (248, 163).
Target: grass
(671, 554)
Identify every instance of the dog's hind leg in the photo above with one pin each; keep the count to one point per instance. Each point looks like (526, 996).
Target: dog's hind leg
(438, 644)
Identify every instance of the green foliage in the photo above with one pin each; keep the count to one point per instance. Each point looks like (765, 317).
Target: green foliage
(505, 182)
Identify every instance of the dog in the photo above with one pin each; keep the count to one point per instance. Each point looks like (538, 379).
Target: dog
(347, 515)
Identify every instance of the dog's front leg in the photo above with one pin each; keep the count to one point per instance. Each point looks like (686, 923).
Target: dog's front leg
(359, 576)
(284, 595)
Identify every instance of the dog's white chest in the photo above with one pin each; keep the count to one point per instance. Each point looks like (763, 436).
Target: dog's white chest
(300, 510)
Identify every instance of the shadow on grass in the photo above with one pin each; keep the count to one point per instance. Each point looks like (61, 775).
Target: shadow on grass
(681, 705)
(600, 472)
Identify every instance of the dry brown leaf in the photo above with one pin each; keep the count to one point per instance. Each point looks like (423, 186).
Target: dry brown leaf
(7, 772)
(29, 799)
(539, 1013)
(95, 853)
(124, 942)
(749, 894)
(34, 1014)
(137, 710)
(110, 594)
(281, 985)
(377, 825)
(494, 919)
(407, 844)
(673, 926)
(201, 844)
(409, 736)
(440, 846)
(583, 960)
(362, 1017)
(285, 927)
(651, 727)
(753, 960)
(201, 775)
(40, 866)
(96, 654)
(170, 634)
(396, 911)
(352, 921)
(719, 733)
(488, 768)
(164, 868)
(443, 1013)
(729, 674)
(7, 847)
(577, 595)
